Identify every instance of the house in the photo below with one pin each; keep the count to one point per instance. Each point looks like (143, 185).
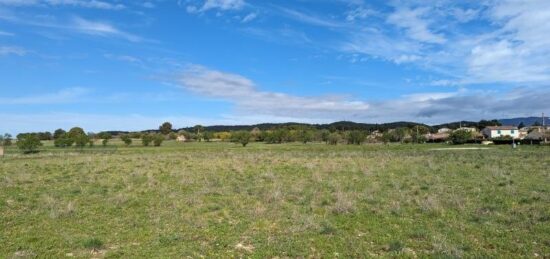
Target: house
(501, 131)
(181, 138)
(469, 129)
(437, 137)
(444, 130)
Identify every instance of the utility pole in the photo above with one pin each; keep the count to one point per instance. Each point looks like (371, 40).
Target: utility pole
(544, 129)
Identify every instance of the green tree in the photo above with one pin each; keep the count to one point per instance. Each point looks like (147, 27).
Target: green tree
(208, 135)
(356, 137)
(81, 140)
(29, 143)
(63, 140)
(75, 132)
(106, 136)
(333, 138)
(521, 125)
(165, 128)
(158, 139)
(7, 140)
(58, 133)
(460, 136)
(242, 137)
(305, 136)
(126, 139)
(146, 139)
(324, 134)
(198, 131)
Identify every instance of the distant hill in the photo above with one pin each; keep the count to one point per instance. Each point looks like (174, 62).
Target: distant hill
(527, 121)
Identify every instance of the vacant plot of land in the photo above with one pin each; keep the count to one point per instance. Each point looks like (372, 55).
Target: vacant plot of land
(222, 200)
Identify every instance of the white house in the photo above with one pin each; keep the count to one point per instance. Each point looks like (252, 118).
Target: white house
(444, 130)
(501, 131)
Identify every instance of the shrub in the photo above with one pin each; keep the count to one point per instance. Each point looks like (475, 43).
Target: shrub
(460, 136)
(93, 243)
(333, 138)
(356, 137)
(158, 139)
(63, 140)
(146, 139)
(29, 143)
(242, 137)
(126, 139)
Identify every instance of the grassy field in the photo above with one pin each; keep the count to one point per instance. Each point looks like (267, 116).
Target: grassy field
(291, 200)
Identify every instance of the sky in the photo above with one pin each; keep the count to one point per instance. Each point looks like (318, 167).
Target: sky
(131, 65)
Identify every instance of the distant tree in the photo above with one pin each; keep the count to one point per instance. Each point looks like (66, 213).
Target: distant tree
(537, 124)
(106, 137)
(146, 139)
(242, 137)
(418, 134)
(165, 128)
(333, 138)
(356, 137)
(63, 140)
(486, 123)
(75, 132)
(172, 136)
(460, 136)
(256, 134)
(387, 137)
(521, 125)
(208, 135)
(126, 139)
(305, 135)
(29, 143)
(324, 134)
(135, 134)
(198, 129)
(58, 133)
(80, 140)
(158, 139)
(7, 140)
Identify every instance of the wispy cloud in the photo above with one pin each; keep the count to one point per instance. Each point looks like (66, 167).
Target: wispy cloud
(12, 50)
(96, 4)
(416, 25)
(310, 18)
(69, 95)
(4, 33)
(222, 5)
(432, 107)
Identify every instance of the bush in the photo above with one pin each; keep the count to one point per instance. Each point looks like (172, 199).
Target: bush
(333, 138)
(356, 137)
(81, 140)
(158, 139)
(6, 140)
(460, 137)
(242, 137)
(63, 140)
(126, 139)
(146, 139)
(29, 143)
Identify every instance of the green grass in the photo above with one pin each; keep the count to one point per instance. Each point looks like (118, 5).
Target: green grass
(291, 200)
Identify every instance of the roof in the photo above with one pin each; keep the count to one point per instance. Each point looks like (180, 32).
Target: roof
(502, 127)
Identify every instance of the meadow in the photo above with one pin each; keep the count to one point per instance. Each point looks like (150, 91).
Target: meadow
(289, 200)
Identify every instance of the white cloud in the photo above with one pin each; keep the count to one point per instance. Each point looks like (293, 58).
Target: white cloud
(249, 17)
(360, 13)
(311, 19)
(4, 33)
(101, 29)
(75, 3)
(69, 95)
(249, 99)
(416, 25)
(12, 50)
(223, 4)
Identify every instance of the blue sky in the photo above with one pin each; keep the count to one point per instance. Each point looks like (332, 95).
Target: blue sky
(130, 65)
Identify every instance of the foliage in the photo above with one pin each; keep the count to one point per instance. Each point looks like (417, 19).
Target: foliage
(81, 140)
(165, 128)
(126, 139)
(6, 140)
(146, 139)
(458, 137)
(28, 143)
(208, 135)
(356, 137)
(305, 136)
(333, 138)
(158, 139)
(242, 137)
(63, 140)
